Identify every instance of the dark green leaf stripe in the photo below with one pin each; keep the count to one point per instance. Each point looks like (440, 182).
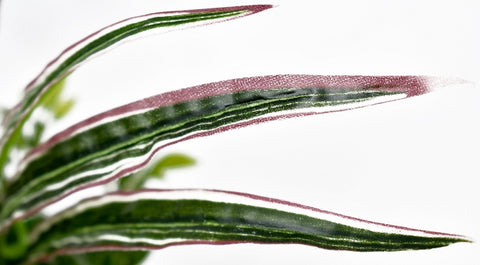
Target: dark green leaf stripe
(101, 258)
(152, 219)
(102, 151)
(78, 53)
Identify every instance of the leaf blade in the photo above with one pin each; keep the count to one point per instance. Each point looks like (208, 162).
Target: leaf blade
(101, 258)
(74, 55)
(96, 155)
(152, 219)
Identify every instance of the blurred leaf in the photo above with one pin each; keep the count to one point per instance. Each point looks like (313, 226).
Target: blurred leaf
(63, 108)
(170, 162)
(52, 100)
(3, 112)
(52, 96)
(157, 170)
(14, 243)
(101, 258)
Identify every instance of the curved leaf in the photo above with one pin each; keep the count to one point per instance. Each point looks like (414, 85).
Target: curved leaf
(77, 53)
(152, 219)
(121, 141)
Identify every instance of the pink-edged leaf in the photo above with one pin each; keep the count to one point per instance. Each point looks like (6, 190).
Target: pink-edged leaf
(76, 54)
(154, 219)
(123, 140)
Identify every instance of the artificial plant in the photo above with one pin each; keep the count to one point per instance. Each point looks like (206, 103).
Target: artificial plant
(120, 226)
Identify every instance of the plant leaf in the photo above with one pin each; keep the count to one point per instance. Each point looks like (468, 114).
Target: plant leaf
(76, 54)
(52, 100)
(137, 180)
(101, 258)
(16, 241)
(153, 219)
(96, 151)
(169, 162)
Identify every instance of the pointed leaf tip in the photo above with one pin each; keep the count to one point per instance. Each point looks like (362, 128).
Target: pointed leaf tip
(154, 219)
(260, 8)
(197, 112)
(76, 54)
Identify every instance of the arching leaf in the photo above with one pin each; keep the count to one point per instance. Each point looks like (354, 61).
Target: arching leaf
(121, 141)
(76, 54)
(153, 219)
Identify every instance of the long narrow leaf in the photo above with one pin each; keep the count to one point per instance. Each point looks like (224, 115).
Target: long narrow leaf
(100, 258)
(152, 219)
(77, 53)
(113, 144)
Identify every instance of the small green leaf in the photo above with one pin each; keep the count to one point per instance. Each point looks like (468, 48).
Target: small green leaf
(52, 100)
(14, 243)
(170, 162)
(137, 180)
(52, 96)
(63, 108)
(29, 142)
(38, 132)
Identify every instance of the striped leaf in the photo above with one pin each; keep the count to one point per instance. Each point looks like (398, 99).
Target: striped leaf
(101, 258)
(153, 219)
(76, 54)
(123, 140)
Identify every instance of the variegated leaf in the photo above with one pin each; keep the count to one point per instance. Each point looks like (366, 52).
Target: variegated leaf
(153, 219)
(76, 54)
(123, 140)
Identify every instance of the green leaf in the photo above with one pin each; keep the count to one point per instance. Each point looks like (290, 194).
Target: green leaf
(3, 112)
(94, 155)
(156, 170)
(101, 258)
(14, 243)
(171, 161)
(28, 142)
(52, 100)
(78, 53)
(152, 219)
(62, 108)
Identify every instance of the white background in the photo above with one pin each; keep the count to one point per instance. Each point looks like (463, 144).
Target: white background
(411, 163)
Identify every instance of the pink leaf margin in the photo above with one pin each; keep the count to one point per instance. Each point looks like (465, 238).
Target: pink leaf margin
(410, 85)
(251, 9)
(112, 247)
